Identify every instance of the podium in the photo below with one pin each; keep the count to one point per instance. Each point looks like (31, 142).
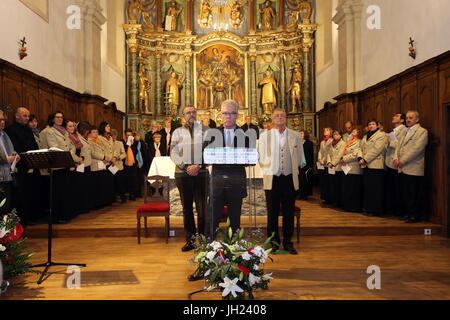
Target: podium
(49, 160)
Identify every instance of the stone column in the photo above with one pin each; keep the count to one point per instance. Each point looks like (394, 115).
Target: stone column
(133, 91)
(308, 41)
(158, 83)
(188, 97)
(89, 47)
(282, 94)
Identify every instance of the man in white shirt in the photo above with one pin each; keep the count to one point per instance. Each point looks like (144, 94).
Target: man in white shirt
(280, 152)
(392, 183)
(409, 159)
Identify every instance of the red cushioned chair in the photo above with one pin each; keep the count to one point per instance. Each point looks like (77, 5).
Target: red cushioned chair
(154, 206)
(297, 214)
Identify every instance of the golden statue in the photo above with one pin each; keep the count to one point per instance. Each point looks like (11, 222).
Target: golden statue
(143, 8)
(204, 16)
(293, 18)
(173, 12)
(144, 88)
(269, 90)
(300, 6)
(132, 6)
(296, 89)
(173, 86)
(267, 13)
(236, 14)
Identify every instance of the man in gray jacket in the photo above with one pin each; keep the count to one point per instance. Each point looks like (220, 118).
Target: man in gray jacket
(409, 159)
(392, 183)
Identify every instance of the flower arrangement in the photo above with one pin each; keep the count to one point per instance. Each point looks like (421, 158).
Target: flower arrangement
(14, 256)
(234, 266)
(262, 119)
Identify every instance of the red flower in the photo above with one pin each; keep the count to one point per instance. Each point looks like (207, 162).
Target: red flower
(250, 251)
(244, 270)
(11, 261)
(15, 233)
(4, 240)
(220, 254)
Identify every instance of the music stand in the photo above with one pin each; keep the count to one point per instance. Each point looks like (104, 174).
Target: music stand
(49, 160)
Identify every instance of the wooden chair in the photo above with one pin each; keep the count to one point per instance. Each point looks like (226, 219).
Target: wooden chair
(297, 214)
(156, 206)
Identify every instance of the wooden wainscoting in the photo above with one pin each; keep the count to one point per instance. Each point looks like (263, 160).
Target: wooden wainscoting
(19, 87)
(425, 88)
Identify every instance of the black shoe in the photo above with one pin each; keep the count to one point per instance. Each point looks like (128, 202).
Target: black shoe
(290, 248)
(62, 221)
(404, 218)
(188, 246)
(196, 275)
(132, 198)
(123, 200)
(412, 220)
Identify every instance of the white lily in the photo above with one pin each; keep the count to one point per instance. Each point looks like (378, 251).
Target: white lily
(255, 267)
(3, 232)
(230, 286)
(210, 255)
(267, 276)
(246, 256)
(253, 279)
(207, 273)
(2, 248)
(216, 245)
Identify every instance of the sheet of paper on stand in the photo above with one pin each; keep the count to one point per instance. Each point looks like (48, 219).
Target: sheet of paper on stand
(113, 169)
(80, 168)
(346, 169)
(319, 166)
(332, 170)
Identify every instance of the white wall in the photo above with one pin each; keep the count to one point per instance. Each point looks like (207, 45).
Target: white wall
(384, 52)
(52, 47)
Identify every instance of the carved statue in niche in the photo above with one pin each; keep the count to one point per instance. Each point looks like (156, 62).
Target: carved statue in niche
(144, 8)
(132, 6)
(173, 86)
(269, 91)
(220, 76)
(300, 6)
(267, 15)
(295, 89)
(293, 18)
(236, 14)
(172, 16)
(205, 16)
(144, 87)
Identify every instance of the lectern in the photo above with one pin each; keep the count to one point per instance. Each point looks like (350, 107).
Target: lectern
(49, 160)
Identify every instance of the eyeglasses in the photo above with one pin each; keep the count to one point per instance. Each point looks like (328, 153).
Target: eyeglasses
(191, 112)
(3, 119)
(59, 117)
(229, 113)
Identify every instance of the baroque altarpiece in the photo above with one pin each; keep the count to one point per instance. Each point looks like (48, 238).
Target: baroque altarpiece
(202, 52)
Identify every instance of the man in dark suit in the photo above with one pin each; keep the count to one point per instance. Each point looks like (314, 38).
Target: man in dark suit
(306, 167)
(166, 136)
(212, 123)
(229, 181)
(249, 125)
(28, 194)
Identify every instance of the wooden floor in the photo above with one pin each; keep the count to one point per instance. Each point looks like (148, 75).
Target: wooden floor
(335, 250)
(412, 267)
(119, 220)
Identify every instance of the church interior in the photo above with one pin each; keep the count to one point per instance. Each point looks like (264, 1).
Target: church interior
(136, 63)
